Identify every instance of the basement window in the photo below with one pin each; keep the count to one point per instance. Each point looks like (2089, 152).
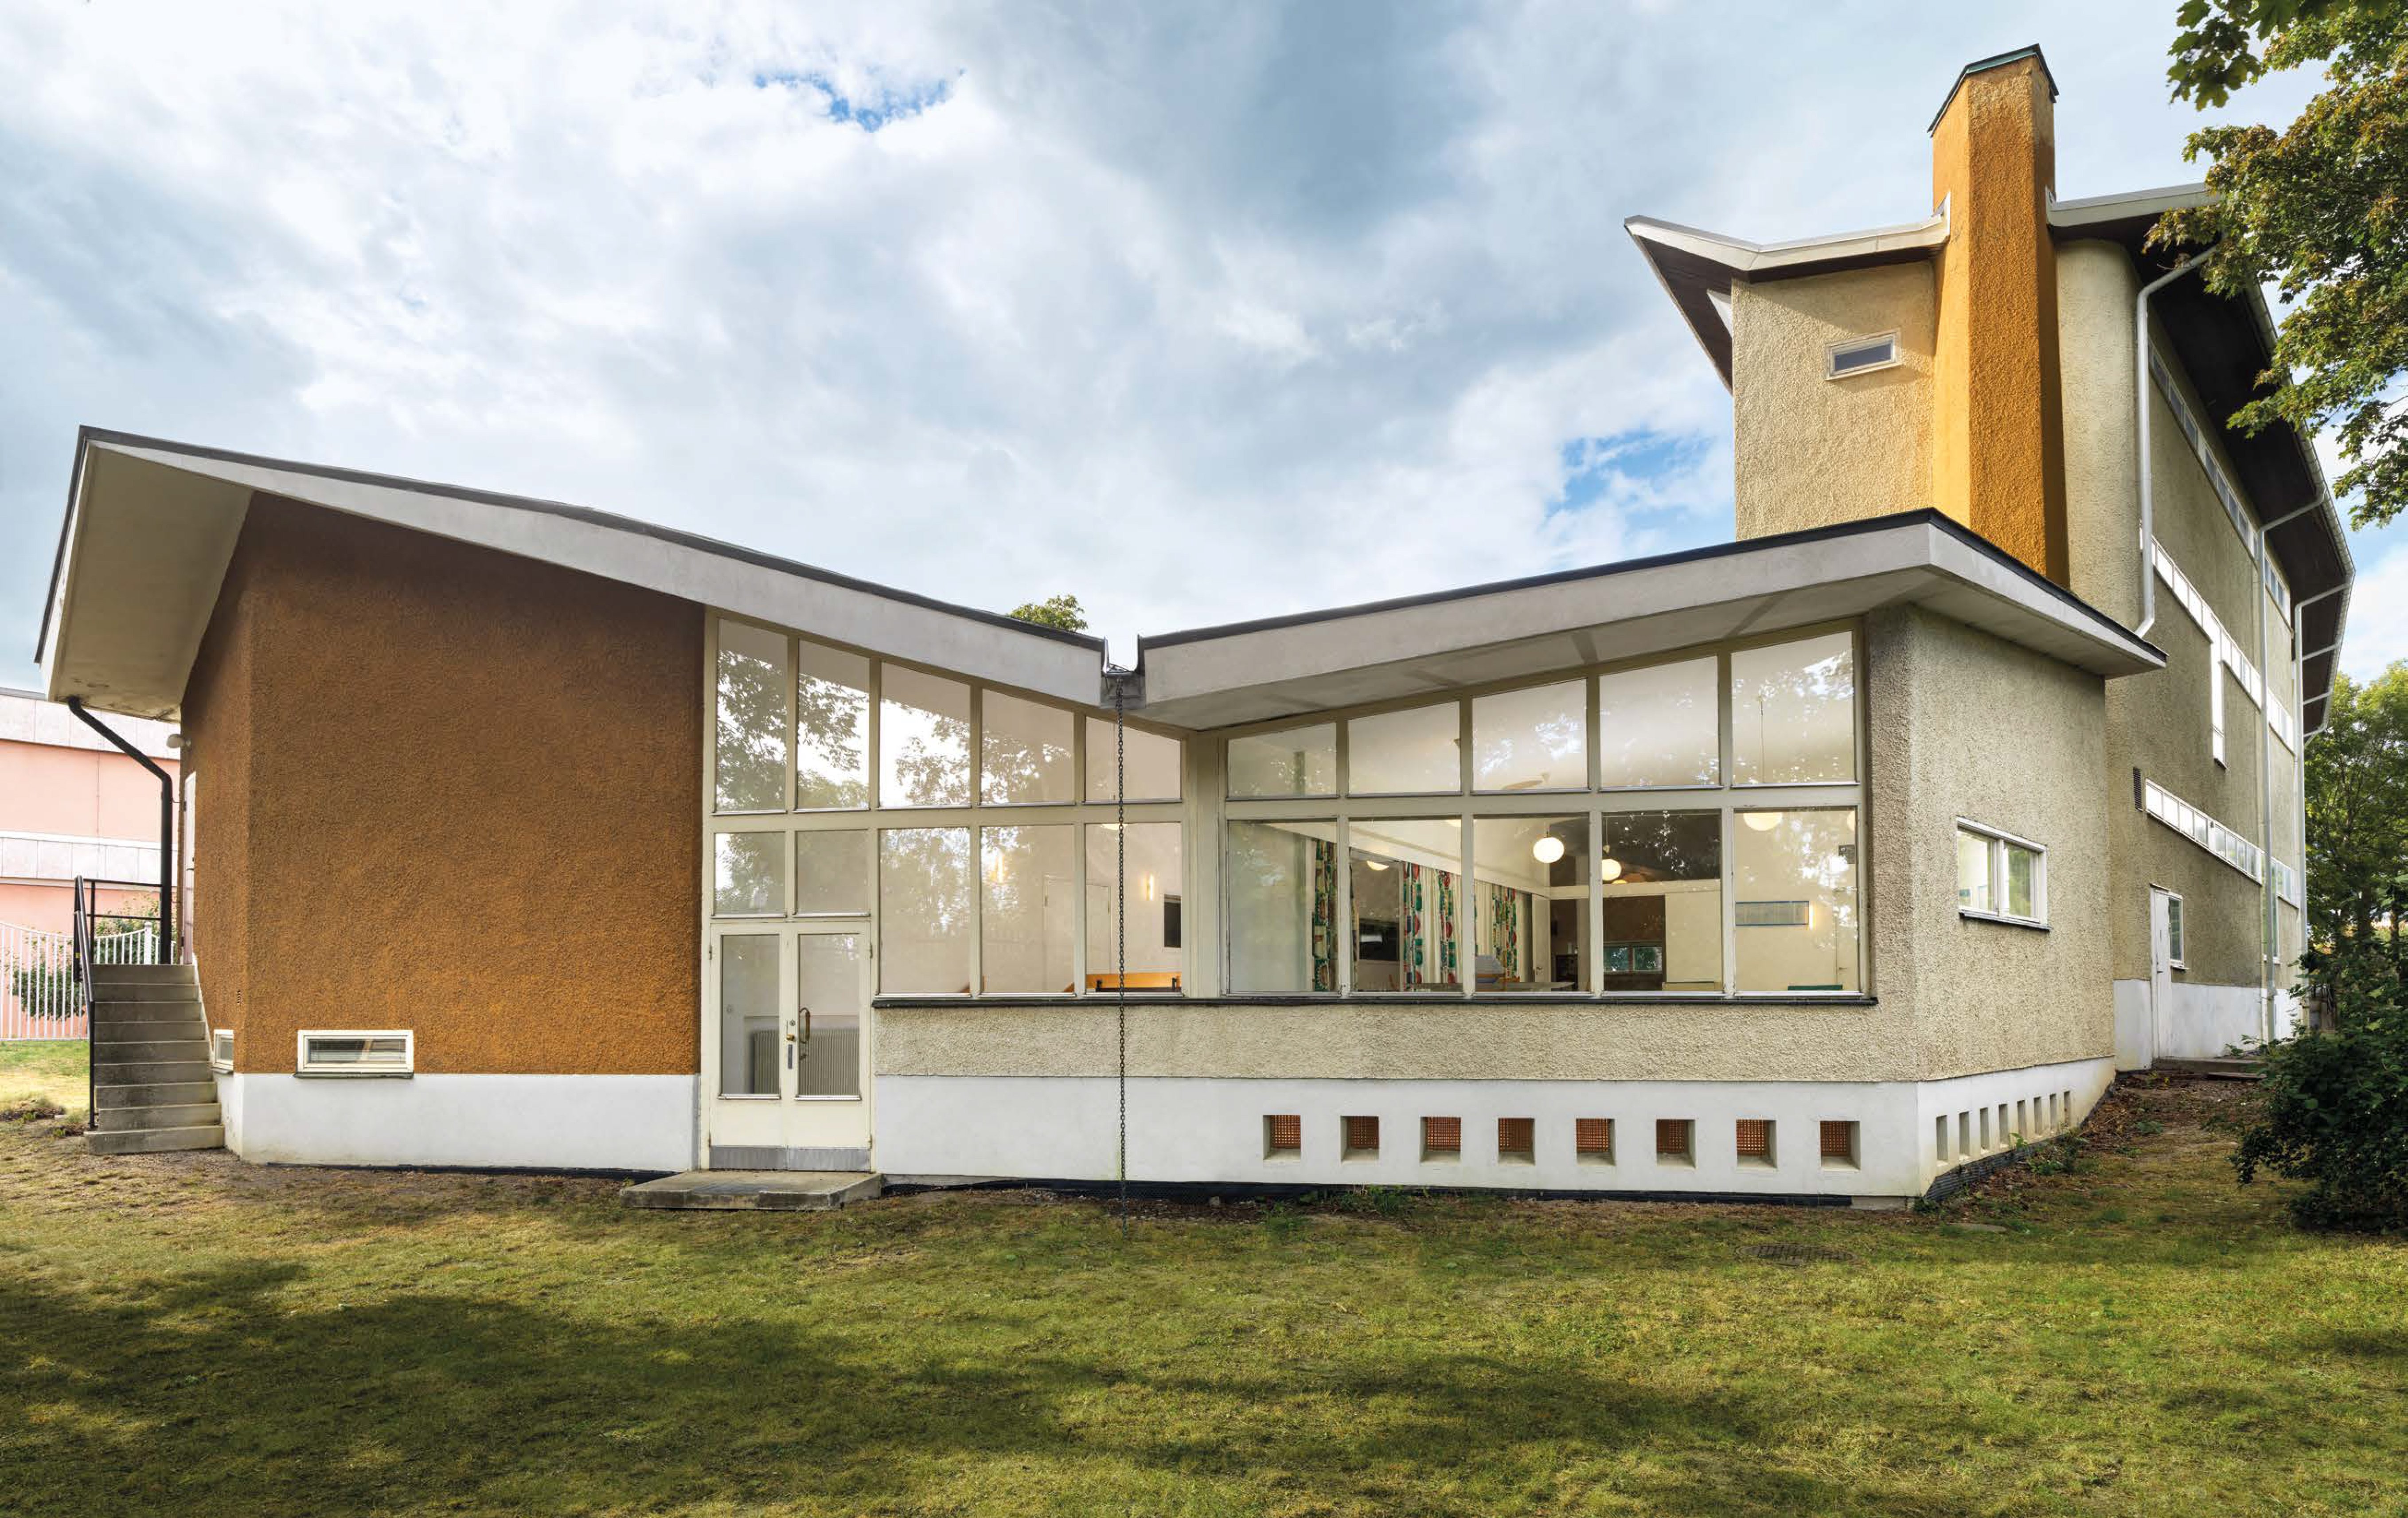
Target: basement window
(1282, 1136)
(1360, 1139)
(346, 1052)
(1840, 1144)
(1442, 1139)
(1517, 1141)
(1862, 355)
(222, 1051)
(1755, 1143)
(1593, 1140)
(1672, 1142)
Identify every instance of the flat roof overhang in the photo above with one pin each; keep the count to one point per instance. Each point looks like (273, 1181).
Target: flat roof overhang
(1435, 645)
(150, 527)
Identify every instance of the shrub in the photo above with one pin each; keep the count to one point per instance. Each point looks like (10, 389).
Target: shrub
(2333, 1112)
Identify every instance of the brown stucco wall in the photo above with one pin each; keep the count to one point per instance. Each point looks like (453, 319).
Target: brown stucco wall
(450, 790)
(1998, 453)
(1810, 451)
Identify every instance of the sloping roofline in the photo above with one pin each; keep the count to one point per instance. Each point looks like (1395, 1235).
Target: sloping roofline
(87, 436)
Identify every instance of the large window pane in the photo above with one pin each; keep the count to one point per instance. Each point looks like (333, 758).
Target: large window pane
(924, 739)
(1029, 906)
(832, 873)
(748, 1014)
(828, 988)
(1299, 761)
(1793, 712)
(1153, 763)
(1660, 725)
(748, 875)
(752, 722)
(1282, 903)
(1150, 905)
(1406, 753)
(1531, 876)
(1794, 877)
(831, 728)
(1973, 872)
(1407, 880)
(1025, 751)
(923, 912)
(1531, 740)
(1663, 886)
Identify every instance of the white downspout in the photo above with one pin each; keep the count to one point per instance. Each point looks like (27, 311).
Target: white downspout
(2140, 405)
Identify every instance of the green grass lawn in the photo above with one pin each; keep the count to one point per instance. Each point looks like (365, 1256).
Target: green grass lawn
(185, 1333)
(50, 1070)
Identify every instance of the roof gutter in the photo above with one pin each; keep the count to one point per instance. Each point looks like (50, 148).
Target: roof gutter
(2140, 405)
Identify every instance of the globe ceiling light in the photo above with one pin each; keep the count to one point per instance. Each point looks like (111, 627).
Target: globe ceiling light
(1763, 822)
(1547, 849)
(1611, 870)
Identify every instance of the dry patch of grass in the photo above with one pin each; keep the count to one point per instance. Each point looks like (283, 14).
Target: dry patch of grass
(43, 1075)
(186, 1334)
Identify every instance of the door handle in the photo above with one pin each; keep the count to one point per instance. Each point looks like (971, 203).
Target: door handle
(806, 1024)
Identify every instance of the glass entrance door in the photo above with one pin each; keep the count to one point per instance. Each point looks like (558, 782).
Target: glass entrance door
(787, 1048)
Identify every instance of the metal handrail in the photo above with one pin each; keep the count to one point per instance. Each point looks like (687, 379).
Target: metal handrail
(83, 948)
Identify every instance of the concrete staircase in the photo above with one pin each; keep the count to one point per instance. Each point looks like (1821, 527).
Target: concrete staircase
(151, 1090)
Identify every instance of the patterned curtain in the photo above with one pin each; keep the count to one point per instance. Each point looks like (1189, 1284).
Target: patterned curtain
(1505, 930)
(1324, 916)
(1413, 941)
(1450, 956)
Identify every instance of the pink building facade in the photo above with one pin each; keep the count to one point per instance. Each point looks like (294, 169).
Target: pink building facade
(71, 806)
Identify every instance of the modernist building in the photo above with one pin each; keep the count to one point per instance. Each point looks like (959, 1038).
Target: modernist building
(1815, 865)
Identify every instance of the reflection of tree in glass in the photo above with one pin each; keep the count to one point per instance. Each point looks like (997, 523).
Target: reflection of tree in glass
(751, 732)
(924, 906)
(751, 879)
(1793, 706)
(832, 720)
(1666, 845)
(933, 768)
(1021, 767)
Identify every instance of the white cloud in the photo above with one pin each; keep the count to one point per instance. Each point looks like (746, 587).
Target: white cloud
(1198, 315)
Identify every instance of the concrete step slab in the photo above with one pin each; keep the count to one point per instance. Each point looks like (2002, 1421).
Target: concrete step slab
(155, 1140)
(145, 975)
(144, 989)
(159, 1093)
(148, 1072)
(766, 1191)
(151, 1051)
(138, 1119)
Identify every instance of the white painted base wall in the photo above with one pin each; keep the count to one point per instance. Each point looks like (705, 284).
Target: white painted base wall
(1213, 1130)
(488, 1122)
(2202, 1022)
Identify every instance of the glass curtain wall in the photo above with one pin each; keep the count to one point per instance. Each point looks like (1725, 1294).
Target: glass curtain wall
(968, 829)
(1684, 826)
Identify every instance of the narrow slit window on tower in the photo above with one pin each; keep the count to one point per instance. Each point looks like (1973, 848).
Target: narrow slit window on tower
(1857, 355)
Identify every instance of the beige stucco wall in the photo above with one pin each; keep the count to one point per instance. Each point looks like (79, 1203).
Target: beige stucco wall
(2095, 285)
(1978, 728)
(1813, 450)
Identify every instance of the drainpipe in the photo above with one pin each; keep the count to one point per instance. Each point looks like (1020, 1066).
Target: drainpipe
(167, 826)
(2273, 945)
(2140, 405)
(2300, 716)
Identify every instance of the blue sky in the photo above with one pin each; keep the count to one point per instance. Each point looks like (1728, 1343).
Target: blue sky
(1199, 314)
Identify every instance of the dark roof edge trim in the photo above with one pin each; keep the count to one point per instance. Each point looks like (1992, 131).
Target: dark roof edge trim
(1982, 66)
(555, 508)
(1924, 517)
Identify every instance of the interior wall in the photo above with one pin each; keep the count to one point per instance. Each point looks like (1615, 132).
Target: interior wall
(449, 790)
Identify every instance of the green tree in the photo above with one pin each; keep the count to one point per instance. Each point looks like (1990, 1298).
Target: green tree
(2357, 833)
(2320, 211)
(1061, 611)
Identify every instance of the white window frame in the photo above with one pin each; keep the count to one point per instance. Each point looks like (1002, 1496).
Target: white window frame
(1595, 802)
(2177, 930)
(222, 1039)
(302, 1065)
(1832, 352)
(1998, 840)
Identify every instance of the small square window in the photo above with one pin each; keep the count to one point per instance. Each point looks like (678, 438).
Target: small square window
(1672, 1142)
(1593, 1140)
(1857, 355)
(1517, 1140)
(1839, 1145)
(1442, 1139)
(1361, 1139)
(2000, 876)
(1755, 1143)
(1282, 1136)
(1939, 1137)
(346, 1052)
(222, 1051)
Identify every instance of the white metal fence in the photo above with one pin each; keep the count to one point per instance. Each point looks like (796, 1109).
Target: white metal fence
(37, 989)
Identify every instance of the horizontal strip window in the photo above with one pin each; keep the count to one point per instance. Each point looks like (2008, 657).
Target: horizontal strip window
(389, 1051)
(2286, 881)
(2203, 830)
(2197, 432)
